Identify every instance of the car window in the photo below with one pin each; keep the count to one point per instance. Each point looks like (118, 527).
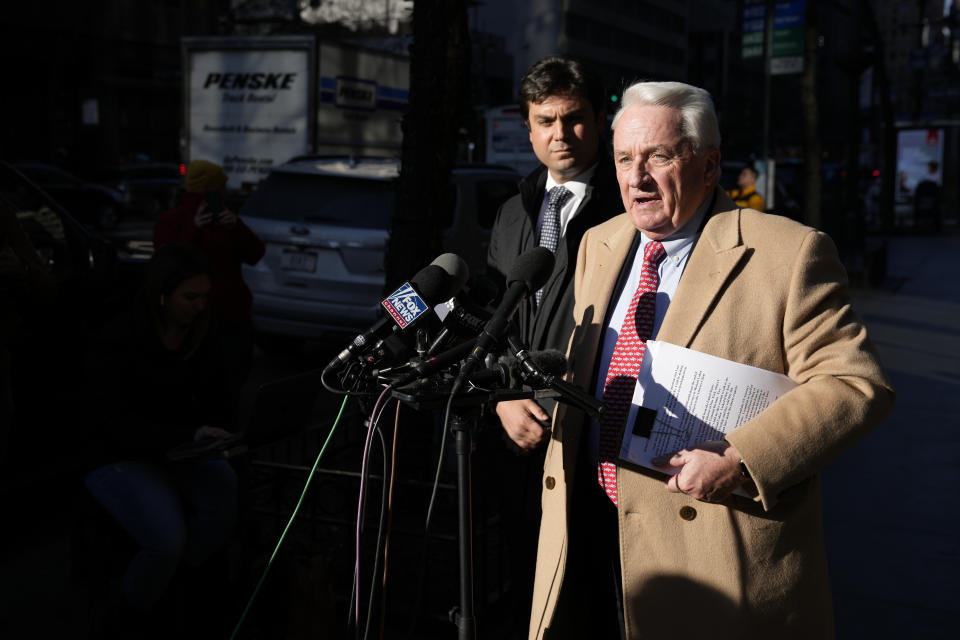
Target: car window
(52, 236)
(349, 202)
(490, 195)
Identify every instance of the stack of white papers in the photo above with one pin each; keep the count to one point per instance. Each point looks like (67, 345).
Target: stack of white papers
(685, 397)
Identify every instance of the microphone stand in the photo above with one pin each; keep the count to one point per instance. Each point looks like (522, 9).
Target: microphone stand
(464, 424)
(464, 616)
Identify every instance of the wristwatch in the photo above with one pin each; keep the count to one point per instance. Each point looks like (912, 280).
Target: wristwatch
(744, 471)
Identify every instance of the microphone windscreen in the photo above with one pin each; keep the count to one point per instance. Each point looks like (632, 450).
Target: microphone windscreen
(551, 362)
(456, 267)
(433, 284)
(533, 268)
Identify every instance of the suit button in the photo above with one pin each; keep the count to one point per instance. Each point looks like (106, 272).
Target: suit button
(550, 483)
(688, 513)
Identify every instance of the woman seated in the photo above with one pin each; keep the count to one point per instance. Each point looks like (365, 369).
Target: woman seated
(158, 378)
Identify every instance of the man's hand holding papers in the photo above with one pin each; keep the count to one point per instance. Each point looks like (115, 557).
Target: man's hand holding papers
(684, 404)
(709, 471)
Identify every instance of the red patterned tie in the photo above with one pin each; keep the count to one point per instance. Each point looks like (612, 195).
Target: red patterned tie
(625, 365)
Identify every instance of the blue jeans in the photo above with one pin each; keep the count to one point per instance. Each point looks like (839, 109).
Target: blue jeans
(182, 511)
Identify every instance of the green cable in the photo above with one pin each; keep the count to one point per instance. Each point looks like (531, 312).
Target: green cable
(283, 535)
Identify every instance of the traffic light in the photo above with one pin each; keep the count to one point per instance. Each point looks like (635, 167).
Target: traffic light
(613, 99)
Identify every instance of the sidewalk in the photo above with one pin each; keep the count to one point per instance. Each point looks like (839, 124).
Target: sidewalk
(890, 504)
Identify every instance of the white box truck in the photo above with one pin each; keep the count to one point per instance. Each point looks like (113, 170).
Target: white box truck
(252, 103)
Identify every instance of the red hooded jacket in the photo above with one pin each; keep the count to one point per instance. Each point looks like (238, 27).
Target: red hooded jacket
(228, 249)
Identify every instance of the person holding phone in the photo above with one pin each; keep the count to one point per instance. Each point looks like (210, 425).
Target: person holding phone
(204, 220)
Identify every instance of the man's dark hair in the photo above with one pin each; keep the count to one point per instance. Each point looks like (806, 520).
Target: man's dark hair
(557, 76)
(170, 266)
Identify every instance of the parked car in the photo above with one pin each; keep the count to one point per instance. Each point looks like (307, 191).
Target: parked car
(92, 204)
(69, 251)
(325, 223)
(148, 189)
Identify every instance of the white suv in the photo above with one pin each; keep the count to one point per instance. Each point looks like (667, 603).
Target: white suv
(325, 223)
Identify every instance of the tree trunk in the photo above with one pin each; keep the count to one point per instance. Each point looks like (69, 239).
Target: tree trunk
(439, 74)
(812, 146)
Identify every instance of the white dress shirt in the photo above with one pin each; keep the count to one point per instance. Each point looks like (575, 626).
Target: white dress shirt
(577, 186)
(678, 248)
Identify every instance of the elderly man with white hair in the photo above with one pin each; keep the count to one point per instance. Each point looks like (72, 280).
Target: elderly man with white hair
(629, 552)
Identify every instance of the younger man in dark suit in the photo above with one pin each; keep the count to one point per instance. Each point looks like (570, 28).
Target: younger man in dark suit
(574, 189)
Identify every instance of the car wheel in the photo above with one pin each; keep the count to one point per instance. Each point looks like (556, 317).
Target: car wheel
(107, 217)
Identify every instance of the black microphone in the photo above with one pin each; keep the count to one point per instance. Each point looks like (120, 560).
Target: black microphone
(432, 365)
(542, 370)
(540, 364)
(529, 273)
(436, 282)
(511, 371)
(499, 376)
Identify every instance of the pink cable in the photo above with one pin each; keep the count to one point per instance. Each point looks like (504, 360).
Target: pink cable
(374, 417)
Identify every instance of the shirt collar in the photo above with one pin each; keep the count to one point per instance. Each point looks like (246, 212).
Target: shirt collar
(679, 243)
(577, 186)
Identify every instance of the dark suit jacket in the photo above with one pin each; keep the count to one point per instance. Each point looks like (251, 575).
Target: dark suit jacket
(515, 232)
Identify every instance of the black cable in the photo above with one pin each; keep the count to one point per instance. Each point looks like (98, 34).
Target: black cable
(353, 588)
(346, 374)
(443, 446)
(386, 538)
(380, 528)
(361, 512)
(326, 385)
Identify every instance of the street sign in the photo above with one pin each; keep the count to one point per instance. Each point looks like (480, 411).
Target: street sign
(789, 14)
(786, 64)
(753, 26)
(788, 42)
(788, 37)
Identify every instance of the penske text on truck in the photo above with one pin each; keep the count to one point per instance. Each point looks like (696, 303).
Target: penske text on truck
(251, 103)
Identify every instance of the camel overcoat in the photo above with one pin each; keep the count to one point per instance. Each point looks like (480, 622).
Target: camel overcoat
(768, 292)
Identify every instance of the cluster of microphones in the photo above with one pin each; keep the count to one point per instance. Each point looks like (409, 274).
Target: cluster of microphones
(436, 334)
